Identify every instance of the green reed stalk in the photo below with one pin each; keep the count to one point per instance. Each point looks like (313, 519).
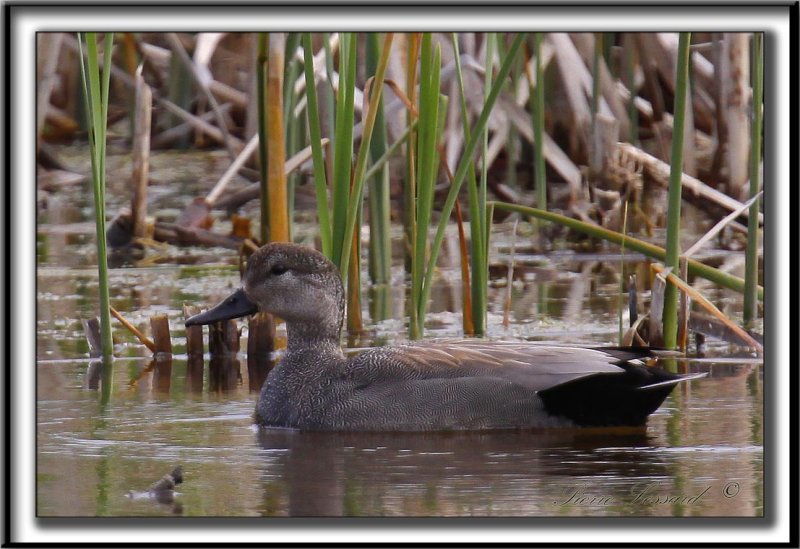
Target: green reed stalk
(377, 164)
(376, 92)
(263, 160)
(651, 250)
(426, 172)
(478, 258)
(481, 271)
(410, 182)
(291, 72)
(342, 179)
(538, 134)
(343, 150)
(380, 244)
(670, 315)
(347, 182)
(751, 257)
(96, 103)
(491, 40)
(320, 180)
(328, 95)
(466, 159)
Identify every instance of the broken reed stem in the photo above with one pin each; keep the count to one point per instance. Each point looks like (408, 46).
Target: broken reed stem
(91, 328)
(134, 330)
(141, 154)
(194, 352)
(260, 346)
(194, 334)
(710, 307)
(223, 338)
(159, 324)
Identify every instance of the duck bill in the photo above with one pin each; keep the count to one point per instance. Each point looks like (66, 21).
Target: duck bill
(234, 306)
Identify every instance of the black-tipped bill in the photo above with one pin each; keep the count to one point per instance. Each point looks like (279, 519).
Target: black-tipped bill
(234, 306)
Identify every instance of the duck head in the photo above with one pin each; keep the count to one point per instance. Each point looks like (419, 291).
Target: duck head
(293, 282)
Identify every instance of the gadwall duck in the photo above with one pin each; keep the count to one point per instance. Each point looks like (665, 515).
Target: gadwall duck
(426, 386)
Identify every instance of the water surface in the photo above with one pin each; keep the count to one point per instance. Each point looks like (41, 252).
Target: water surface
(700, 455)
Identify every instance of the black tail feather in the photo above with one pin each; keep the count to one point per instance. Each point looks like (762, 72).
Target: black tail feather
(605, 400)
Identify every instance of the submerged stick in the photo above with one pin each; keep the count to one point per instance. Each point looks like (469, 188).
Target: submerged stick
(710, 307)
(134, 330)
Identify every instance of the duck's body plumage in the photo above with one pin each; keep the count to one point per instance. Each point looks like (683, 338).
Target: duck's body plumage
(438, 385)
(468, 384)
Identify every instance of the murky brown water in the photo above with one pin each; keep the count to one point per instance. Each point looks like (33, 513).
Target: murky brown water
(701, 454)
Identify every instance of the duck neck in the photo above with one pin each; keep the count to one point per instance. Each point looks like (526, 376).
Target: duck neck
(319, 338)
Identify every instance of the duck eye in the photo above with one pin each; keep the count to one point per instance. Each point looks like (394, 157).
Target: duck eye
(278, 270)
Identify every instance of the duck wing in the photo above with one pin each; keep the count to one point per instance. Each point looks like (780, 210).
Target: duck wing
(469, 383)
(533, 366)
